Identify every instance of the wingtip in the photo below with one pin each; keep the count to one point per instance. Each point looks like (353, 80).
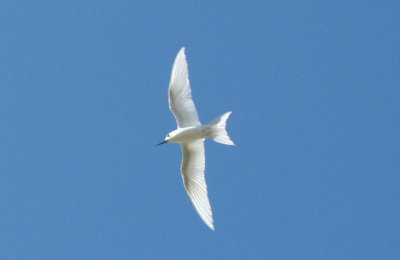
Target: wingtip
(210, 225)
(181, 53)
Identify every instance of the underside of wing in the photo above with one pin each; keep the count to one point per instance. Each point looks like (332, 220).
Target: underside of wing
(193, 166)
(180, 94)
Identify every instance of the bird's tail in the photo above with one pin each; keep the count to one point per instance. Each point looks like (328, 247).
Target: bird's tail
(218, 130)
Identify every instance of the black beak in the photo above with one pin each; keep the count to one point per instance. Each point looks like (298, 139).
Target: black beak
(163, 142)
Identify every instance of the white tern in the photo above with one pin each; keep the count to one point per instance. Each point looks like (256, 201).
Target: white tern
(191, 134)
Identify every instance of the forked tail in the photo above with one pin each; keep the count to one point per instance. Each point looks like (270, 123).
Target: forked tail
(218, 130)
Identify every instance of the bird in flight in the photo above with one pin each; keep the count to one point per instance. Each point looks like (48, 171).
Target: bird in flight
(191, 134)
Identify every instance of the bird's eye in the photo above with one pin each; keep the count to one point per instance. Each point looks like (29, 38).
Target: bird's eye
(167, 135)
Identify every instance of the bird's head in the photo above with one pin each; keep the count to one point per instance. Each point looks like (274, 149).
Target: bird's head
(168, 137)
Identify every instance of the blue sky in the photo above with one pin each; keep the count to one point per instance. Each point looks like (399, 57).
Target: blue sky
(314, 90)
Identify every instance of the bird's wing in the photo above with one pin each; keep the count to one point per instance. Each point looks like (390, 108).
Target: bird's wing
(180, 94)
(193, 166)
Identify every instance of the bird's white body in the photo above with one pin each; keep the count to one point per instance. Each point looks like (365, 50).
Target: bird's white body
(187, 134)
(191, 135)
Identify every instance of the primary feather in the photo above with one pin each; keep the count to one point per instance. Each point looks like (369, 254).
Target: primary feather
(180, 94)
(192, 168)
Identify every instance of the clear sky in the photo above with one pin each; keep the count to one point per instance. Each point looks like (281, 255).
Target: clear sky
(314, 87)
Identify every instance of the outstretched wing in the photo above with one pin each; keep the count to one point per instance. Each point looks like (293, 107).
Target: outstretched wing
(180, 94)
(192, 168)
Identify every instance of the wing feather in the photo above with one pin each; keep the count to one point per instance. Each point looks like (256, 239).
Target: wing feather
(192, 168)
(180, 94)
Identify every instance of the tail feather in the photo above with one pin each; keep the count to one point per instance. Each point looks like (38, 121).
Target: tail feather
(218, 130)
